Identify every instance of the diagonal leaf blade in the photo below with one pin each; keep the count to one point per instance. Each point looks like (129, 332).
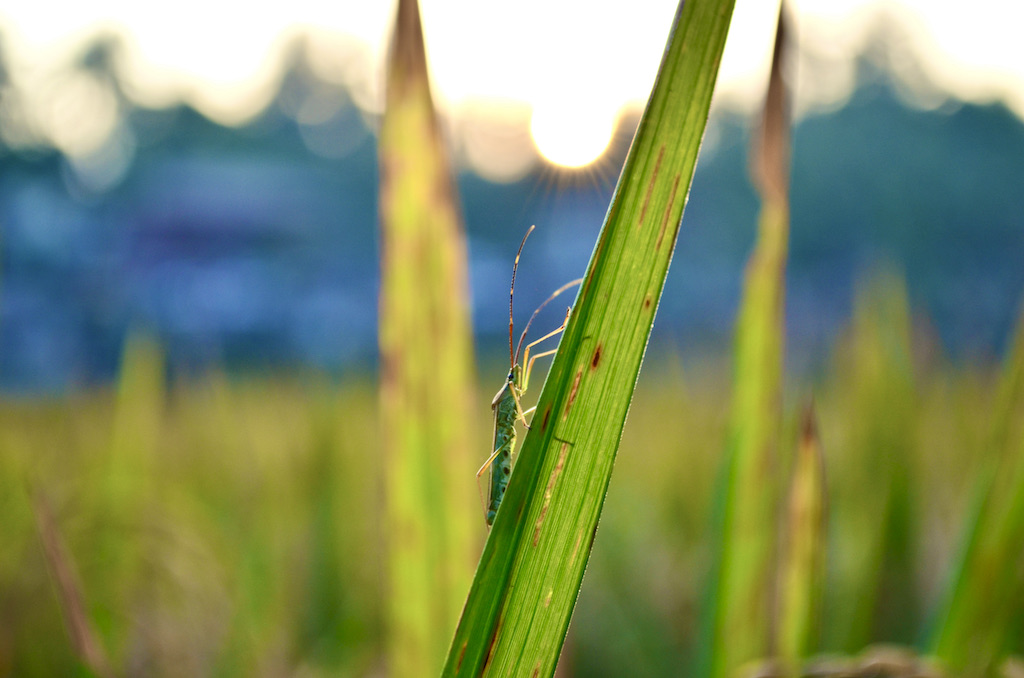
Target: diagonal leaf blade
(526, 584)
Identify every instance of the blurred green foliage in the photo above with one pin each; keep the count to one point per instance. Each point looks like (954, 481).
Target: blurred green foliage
(247, 537)
(244, 538)
(236, 527)
(978, 615)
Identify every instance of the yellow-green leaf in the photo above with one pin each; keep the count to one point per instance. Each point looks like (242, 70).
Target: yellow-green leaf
(426, 359)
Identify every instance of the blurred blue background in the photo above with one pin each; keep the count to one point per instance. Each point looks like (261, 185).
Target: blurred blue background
(254, 245)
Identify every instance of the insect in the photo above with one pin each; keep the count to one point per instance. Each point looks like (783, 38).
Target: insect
(507, 406)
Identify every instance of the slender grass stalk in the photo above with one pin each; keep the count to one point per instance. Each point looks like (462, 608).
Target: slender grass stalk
(426, 359)
(80, 629)
(986, 584)
(138, 414)
(872, 566)
(529, 576)
(127, 484)
(746, 568)
(802, 562)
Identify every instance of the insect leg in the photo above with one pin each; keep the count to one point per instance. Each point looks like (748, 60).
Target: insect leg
(521, 416)
(526, 354)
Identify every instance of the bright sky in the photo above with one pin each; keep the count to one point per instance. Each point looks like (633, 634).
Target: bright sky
(563, 65)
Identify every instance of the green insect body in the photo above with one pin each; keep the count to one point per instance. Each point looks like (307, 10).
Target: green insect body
(506, 410)
(506, 405)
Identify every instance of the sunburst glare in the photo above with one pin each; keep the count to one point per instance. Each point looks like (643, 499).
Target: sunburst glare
(570, 135)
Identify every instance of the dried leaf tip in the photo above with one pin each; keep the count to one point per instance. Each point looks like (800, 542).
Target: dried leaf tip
(808, 425)
(770, 155)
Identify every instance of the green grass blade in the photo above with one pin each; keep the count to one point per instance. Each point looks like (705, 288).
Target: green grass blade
(874, 542)
(801, 567)
(426, 359)
(135, 434)
(529, 575)
(128, 486)
(746, 569)
(986, 585)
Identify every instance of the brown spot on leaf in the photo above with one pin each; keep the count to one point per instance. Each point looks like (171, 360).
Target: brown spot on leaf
(596, 359)
(544, 420)
(555, 472)
(647, 301)
(668, 212)
(490, 648)
(572, 393)
(576, 548)
(650, 186)
(675, 233)
(462, 655)
(538, 524)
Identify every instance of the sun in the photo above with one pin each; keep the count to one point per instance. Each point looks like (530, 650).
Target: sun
(569, 136)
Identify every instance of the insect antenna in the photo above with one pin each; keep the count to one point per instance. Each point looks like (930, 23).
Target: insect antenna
(522, 337)
(511, 295)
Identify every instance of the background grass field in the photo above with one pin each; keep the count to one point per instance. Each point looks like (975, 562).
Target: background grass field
(233, 526)
(293, 523)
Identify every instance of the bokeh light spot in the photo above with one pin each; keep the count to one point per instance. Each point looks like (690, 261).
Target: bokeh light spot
(571, 136)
